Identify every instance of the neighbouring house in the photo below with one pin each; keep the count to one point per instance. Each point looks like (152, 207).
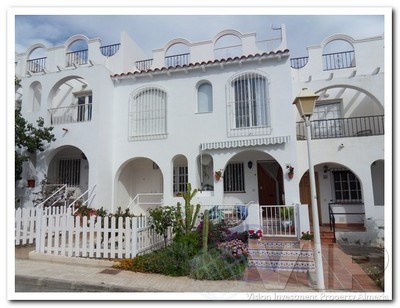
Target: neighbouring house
(132, 131)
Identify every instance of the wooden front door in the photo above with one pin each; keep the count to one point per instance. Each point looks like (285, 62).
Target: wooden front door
(305, 194)
(266, 188)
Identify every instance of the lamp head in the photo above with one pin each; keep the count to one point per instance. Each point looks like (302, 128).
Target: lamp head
(305, 102)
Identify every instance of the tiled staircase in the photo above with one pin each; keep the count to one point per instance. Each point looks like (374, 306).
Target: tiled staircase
(281, 254)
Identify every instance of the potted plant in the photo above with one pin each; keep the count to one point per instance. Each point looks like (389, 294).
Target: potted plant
(290, 171)
(31, 183)
(218, 175)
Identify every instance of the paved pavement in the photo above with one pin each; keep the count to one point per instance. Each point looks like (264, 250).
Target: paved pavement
(341, 274)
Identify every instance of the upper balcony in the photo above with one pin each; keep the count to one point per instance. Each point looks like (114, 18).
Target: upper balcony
(331, 61)
(343, 127)
(227, 44)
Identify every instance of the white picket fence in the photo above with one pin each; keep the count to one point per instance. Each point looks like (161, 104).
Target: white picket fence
(26, 225)
(58, 232)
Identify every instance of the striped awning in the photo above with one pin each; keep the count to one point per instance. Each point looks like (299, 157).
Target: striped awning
(228, 144)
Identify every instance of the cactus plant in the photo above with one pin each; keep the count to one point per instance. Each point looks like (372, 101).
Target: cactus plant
(186, 224)
(206, 222)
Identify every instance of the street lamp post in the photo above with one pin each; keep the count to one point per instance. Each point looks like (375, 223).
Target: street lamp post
(305, 103)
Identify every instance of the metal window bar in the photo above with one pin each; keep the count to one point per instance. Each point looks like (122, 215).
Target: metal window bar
(234, 177)
(36, 65)
(248, 105)
(343, 127)
(177, 60)
(69, 171)
(148, 114)
(109, 50)
(338, 60)
(77, 57)
(180, 178)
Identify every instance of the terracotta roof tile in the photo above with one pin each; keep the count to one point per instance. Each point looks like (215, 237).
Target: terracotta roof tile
(225, 60)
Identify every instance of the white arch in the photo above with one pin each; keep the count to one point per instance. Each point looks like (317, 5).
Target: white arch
(338, 37)
(31, 49)
(227, 32)
(74, 38)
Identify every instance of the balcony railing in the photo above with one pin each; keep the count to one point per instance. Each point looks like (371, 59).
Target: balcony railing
(110, 50)
(77, 57)
(71, 114)
(331, 61)
(343, 127)
(298, 62)
(36, 65)
(144, 65)
(339, 60)
(177, 60)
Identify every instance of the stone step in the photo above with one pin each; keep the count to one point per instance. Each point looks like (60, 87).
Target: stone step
(278, 252)
(285, 253)
(284, 265)
(266, 242)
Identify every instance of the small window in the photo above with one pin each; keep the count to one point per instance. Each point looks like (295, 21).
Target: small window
(84, 111)
(234, 177)
(347, 187)
(204, 98)
(180, 174)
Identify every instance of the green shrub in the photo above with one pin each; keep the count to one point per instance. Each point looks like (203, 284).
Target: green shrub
(216, 265)
(190, 241)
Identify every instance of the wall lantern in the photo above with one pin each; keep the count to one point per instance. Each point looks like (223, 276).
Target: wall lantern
(250, 164)
(326, 169)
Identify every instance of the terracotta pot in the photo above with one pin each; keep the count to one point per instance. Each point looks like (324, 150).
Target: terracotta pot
(31, 183)
(290, 175)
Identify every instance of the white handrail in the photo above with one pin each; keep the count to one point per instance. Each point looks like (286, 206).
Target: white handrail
(52, 195)
(86, 192)
(136, 200)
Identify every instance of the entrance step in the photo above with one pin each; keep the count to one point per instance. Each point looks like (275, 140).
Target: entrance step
(280, 254)
(327, 237)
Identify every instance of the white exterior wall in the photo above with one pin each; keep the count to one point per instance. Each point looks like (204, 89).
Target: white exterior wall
(121, 168)
(360, 90)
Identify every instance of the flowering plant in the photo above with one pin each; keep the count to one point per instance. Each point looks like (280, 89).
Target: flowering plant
(290, 168)
(255, 235)
(235, 248)
(306, 235)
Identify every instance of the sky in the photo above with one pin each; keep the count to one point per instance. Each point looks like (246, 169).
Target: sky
(151, 31)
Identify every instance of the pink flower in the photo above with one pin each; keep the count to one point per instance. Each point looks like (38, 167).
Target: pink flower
(251, 231)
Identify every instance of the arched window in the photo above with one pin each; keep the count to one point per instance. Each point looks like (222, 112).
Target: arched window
(148, 114)
(204, 98)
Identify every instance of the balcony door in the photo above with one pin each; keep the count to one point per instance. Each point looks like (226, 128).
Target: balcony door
(327, 121)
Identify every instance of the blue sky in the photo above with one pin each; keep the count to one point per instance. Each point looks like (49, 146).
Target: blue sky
(154, 31)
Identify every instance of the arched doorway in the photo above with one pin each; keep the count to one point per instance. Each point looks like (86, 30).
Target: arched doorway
(70, 166)
(138, 185)
(253, 176)
(339, 193)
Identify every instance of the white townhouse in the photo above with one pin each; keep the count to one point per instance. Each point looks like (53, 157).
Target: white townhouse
(132, 131)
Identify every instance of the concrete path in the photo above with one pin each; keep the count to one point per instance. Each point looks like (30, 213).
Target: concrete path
(87, 275)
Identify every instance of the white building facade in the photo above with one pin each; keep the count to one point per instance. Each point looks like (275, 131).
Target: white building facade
(134, 131)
